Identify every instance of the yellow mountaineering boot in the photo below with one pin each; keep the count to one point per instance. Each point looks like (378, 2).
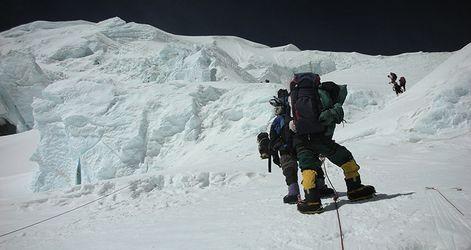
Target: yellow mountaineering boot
(355, 190)
(312, 199)
(312, 202)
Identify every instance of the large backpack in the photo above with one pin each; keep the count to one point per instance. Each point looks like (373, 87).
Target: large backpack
(306, 104)
(402, 81)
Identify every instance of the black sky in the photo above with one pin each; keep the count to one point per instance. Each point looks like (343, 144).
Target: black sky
(371, 27)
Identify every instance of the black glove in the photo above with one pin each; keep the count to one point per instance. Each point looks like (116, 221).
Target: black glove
(276, 159)
(275, 144)
(263, 145)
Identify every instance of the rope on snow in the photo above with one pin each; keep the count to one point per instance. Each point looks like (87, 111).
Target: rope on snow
(66, 212)
(436, 189)
(336, 196)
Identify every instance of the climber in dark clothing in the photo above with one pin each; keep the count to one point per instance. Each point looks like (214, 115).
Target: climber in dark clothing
(395, 86)
(282, 150)
(317, 108)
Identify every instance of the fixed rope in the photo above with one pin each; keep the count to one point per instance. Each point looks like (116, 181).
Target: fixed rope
(66, 212)
(336, 196)
(436, 189)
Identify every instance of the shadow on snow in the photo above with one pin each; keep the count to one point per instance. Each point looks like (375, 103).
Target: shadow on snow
(377, 197)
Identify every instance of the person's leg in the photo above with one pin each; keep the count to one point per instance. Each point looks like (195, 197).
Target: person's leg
(320, 183)
(308, 163)
(290, 171)
(342, 157)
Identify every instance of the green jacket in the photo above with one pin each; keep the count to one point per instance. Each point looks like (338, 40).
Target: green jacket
(332, 97)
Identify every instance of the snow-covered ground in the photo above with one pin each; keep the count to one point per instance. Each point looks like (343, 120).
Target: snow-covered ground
(169, 123)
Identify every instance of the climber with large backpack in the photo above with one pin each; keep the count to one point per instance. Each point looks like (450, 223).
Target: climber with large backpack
(395, 86)
(316, 109)
(280, 147)
(402, 83)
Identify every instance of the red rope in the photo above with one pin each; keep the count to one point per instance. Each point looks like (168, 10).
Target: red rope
(436, 189)
(336, 196)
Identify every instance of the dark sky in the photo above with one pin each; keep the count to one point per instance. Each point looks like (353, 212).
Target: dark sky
(366, 26)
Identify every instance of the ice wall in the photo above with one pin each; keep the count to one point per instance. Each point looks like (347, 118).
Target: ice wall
(448, 92)
(113, 131)
(21, 80)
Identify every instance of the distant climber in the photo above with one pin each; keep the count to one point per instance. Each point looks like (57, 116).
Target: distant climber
(267, 81)
(392, 76)
(395, 86)
(402, 83)
(317, 108)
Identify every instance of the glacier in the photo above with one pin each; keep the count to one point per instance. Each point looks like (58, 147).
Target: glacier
(117, 98)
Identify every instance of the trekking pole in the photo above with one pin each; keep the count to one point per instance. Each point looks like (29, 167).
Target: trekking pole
(269, 163)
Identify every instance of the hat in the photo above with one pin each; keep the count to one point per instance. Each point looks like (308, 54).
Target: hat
(275, 102)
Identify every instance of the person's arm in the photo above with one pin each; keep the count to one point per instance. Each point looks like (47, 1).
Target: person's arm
(338, 94)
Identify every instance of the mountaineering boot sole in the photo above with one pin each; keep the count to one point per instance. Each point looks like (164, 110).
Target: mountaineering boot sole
(317, 211)
(290, 199)
(361, 193)
(306, 207)
(312, 212)
(367, 197)
(311, 203)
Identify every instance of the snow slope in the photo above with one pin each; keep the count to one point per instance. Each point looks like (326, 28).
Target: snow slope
(16, 170)
(145, 107)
